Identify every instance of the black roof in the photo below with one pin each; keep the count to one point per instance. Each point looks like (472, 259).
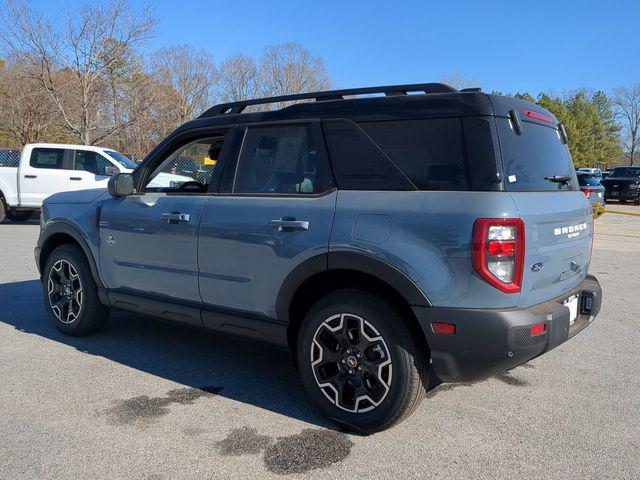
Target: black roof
(398, 102)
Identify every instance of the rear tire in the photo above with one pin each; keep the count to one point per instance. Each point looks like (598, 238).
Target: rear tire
(70, 293)
(19, 216)
(3, 209)
(360, 362)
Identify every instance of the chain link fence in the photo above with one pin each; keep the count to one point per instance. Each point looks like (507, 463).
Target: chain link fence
(9, 158)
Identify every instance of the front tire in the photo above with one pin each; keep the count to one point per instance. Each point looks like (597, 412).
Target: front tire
(360, 362)
(70, 293)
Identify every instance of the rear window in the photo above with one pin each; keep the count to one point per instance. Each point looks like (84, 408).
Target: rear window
(430, 152)
(530, 157)
(587, 181)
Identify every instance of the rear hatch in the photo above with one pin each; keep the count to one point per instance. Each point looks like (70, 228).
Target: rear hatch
(590, 186)
(540, 177)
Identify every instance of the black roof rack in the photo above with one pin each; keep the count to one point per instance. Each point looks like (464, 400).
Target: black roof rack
(389, 90)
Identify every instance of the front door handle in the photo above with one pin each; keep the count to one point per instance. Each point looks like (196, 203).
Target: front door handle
(175, 217)
(30, 176)
(75, 178)
(285, 224)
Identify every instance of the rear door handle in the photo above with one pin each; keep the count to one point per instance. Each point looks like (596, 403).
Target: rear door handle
(286, 224)
(30, 176)
(75, 178)
(175, 217)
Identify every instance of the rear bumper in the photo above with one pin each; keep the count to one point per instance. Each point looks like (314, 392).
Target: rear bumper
(488, 341)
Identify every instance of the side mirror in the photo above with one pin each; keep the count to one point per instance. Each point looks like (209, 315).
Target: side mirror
(111, 170)
(121, 185)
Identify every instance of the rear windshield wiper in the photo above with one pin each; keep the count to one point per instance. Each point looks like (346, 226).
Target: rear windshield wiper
(558, 178)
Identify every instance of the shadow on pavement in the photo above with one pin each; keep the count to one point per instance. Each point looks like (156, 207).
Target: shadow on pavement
(243, 371)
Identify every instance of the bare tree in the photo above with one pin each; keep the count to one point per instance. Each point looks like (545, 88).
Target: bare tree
(188, 77)
(26, 110)
(73, 55)
(457, 81)
(237, 78)
(626, 101)
(289, 68)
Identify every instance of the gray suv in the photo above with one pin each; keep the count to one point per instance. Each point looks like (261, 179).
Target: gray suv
(389, 237)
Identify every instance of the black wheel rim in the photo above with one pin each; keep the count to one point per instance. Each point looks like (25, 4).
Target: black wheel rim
(351, 363)
(64, 289)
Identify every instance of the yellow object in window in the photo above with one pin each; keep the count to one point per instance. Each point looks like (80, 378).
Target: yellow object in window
(210, 161)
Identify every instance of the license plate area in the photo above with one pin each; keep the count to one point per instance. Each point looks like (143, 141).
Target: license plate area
(615, 194)
(572, 304)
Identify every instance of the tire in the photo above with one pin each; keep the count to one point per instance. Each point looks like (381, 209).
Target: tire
(622, 202)
(76, 310)
(637, 201)
(3, 209)
(20, 215)
(335, 348)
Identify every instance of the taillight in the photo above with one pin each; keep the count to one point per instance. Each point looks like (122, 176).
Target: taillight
(498, 252)
(587, 192)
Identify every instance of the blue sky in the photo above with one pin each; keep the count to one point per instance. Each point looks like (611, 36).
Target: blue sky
(542, 46)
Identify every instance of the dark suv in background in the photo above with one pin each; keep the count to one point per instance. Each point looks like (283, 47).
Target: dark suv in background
(382, 239)
(623, 184)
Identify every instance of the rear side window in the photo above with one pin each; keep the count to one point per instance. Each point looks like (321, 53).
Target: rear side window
(47, 158)
(357, 162)
(429, 151)
(530, 157)
(281, 159)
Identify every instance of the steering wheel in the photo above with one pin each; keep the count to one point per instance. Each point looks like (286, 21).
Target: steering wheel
(192, 186)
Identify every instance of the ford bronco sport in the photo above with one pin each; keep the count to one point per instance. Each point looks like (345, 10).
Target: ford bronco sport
(382, 234)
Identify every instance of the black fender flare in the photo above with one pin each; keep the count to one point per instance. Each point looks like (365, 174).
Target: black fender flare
(66, 228)
(359, 262)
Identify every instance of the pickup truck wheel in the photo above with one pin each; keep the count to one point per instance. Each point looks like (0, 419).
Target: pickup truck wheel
(360, 362)
(70, 293)
(20, 215)
(3, 209)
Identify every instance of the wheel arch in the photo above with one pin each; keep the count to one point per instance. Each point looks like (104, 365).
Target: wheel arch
(61, 234)
(325, 273)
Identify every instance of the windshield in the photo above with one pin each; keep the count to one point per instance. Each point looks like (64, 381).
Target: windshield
(123, 160)
(626, 172)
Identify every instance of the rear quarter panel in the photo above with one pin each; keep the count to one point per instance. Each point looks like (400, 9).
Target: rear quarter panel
(427, 236)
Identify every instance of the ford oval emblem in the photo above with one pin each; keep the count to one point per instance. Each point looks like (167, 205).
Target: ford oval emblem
(536, 267)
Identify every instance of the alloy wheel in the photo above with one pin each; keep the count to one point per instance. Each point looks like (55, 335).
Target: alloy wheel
(351, 363)
(65, 291)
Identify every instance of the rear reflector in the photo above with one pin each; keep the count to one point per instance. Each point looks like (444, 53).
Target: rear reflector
(443, 328)
(537, 329)
(538, 116)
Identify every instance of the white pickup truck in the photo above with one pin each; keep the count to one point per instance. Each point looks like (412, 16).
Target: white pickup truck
(48, 168)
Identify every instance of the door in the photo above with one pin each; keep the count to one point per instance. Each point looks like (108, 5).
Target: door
(274, 213)
(149, 240)
(89, 171)
(44, 174)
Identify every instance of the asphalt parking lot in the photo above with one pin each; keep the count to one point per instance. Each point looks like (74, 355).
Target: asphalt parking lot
(147, 400)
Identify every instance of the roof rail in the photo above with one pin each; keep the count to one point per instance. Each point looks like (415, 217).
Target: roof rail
(389, 90)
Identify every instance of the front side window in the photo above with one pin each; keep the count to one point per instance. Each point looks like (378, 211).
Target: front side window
(47, 158)
(281, 159)
(123, 160)
(91, 162)
(189, 169)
